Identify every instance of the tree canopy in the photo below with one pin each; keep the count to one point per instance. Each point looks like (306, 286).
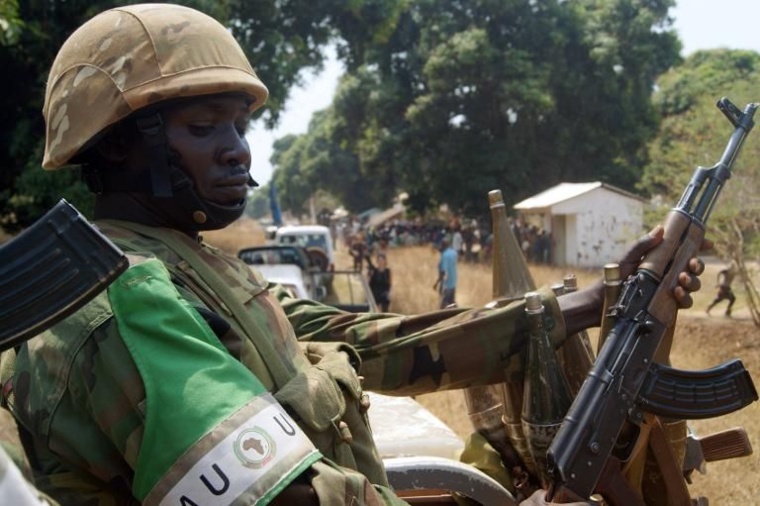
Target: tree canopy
(442, 99)
(464, 97)
(695, 133)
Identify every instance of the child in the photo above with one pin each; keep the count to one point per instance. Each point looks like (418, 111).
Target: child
(380, 281)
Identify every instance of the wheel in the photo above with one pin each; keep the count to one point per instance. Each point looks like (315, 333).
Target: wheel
(432, 480)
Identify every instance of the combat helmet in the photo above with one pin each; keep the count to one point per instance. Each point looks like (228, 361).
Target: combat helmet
(125, 64)
(128, 58)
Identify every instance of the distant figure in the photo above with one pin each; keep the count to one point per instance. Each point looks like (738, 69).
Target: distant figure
(446, 283)
(725, 278)
(457, 241)
(358, 251)
(380, 281)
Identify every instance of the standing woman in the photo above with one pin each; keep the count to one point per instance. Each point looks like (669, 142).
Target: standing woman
(380, 281)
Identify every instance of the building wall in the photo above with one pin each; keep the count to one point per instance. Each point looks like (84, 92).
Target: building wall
(605, 224)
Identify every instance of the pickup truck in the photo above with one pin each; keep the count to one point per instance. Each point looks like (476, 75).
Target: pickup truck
(297, 270)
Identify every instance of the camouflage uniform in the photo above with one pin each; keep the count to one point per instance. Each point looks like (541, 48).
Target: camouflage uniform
(90, 398)
(86, 405)
(145, 394)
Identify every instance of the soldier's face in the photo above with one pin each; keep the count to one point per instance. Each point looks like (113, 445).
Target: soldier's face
(208, 137)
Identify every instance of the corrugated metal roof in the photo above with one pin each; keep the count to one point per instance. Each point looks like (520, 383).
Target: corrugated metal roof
(382, 217)
(566, 191)
(556, 194)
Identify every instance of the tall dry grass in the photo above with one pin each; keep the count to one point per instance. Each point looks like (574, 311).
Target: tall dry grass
(415, 269)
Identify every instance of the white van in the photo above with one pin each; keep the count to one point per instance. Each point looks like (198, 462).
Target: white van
(315, 238)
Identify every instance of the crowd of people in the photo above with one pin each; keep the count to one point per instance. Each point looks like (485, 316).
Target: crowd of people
(470, 242)
(471, 239)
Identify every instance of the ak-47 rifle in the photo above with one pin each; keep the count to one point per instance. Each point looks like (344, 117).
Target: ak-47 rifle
(52, 269)
(626, 389)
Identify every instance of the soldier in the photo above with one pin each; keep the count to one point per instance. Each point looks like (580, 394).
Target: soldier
(185, 381)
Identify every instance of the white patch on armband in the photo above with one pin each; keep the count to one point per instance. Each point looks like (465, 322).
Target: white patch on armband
(253, 461)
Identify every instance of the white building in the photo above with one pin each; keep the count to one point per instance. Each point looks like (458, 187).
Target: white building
(590, 223)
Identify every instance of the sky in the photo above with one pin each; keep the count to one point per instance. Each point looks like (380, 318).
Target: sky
(701, 24)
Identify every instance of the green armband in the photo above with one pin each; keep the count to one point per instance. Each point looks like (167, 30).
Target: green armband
(213, 434)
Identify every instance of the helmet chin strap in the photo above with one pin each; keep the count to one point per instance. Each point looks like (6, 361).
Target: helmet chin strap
(164, 180)
(193, 213)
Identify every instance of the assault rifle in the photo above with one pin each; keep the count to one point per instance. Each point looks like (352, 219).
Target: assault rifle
(626, 391)
(52, 269)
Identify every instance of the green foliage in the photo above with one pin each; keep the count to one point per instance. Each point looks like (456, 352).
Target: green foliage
(10, 23)
(695, 133)
(464, 97)
(258, 203)
(443, 99)
(284, 37)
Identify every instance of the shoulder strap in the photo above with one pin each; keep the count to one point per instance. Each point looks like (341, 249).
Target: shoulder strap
(279, 370)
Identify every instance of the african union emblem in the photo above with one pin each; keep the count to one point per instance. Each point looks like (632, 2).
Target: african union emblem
(255, 448)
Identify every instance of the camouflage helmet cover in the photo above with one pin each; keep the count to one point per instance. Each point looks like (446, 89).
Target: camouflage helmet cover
(128, 58)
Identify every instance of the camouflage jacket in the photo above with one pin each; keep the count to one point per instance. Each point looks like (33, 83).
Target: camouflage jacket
(86, 410)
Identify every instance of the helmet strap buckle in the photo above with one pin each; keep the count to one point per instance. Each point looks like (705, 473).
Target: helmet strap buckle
(91, 176)
(152, 129)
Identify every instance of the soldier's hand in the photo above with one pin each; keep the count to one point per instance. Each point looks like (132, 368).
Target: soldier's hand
(688, 281)
(581, 309)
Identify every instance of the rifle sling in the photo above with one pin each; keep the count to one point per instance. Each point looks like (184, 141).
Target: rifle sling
(279, 371)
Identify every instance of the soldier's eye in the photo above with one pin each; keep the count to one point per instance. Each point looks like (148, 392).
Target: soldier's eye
(242, 127)
(200, 130)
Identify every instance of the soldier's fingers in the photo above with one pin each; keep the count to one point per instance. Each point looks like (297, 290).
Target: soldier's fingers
(644, 244)
(683, 297)
(689, 282)
(696, 266)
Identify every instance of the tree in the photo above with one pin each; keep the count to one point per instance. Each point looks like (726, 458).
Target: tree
(258, 203)
(10, 23)
(465, 97)
(284, 37)
(694, 133)
(294, 187)
(613, 52)
(445, 99)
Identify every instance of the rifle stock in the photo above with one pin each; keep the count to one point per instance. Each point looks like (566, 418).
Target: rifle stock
(611, 397)
(52, 269)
